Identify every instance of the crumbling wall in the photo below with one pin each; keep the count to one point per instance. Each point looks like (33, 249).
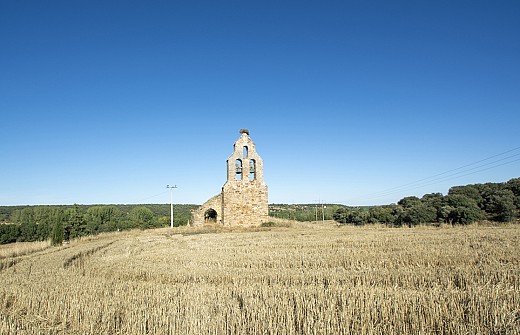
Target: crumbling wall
(215, 203)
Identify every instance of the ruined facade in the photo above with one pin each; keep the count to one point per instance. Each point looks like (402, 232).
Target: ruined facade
(243, 200)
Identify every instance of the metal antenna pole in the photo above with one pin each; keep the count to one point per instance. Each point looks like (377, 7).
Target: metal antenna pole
(171, 203)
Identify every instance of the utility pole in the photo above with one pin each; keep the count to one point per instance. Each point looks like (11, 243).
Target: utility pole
(323, 211)
(316, 206)
(171, 203)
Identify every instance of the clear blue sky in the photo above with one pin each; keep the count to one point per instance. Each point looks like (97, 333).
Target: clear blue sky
(350, 102)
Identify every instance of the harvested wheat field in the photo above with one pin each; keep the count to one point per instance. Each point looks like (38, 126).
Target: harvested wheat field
(304, 279)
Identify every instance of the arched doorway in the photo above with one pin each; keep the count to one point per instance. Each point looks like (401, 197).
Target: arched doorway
(210, 216)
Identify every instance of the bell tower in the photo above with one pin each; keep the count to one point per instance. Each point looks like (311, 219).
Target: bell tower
(244, 195)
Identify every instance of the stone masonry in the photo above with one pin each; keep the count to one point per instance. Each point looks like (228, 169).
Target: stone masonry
(244, 198)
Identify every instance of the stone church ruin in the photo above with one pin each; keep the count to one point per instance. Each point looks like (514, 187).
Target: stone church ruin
(243, 200)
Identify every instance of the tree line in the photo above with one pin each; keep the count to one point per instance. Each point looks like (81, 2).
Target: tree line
(303, 212)
(59, 223)
(462, 205)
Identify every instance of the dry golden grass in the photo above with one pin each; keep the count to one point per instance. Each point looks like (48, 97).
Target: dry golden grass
(22, 248)
(304, 279)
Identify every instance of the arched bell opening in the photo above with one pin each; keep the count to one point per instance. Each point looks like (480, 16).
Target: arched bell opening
(238, 169)
(252, 169)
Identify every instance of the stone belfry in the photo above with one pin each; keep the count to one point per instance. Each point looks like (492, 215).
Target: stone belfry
(244, 195)
(243, 200)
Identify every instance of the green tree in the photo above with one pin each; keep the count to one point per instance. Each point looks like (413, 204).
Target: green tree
(445, 214)
(408, 202)
(341, 215)
(418, 214)
(5, 213)
(356, 216)
(76, 225)
(470, 191)
(514, 186)
(143, 217)
(57, 233)
(45, 217)
(26, 215)
(500, 205)
(359, 217)
(9, 233)
(383, 214)
(462, 209)
(435, 200)
(28, 232)
(102, 218)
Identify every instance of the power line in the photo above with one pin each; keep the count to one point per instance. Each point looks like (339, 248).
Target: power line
(456, 169)
(150, 197)
(467, 165)
(455, 175)
(446, 179)
(435, 179)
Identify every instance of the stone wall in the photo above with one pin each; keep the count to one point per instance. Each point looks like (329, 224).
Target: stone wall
(245, 203)
(215, 203)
